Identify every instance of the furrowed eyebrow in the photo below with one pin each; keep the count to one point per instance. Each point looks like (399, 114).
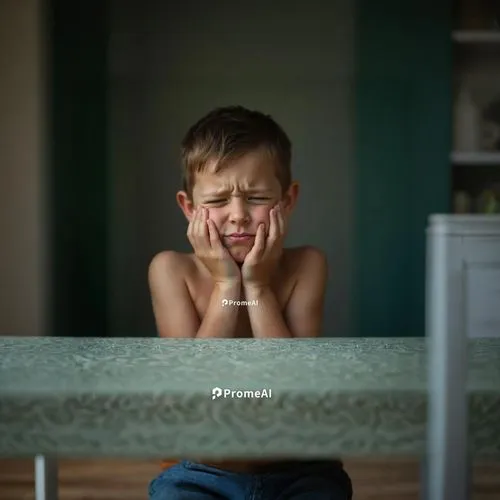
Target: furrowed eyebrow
(215, 193)
(227, 192)
(260, 191)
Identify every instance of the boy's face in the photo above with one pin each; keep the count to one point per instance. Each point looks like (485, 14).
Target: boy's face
(239, 198)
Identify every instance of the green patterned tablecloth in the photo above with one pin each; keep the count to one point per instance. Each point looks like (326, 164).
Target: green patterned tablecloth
(87, 397)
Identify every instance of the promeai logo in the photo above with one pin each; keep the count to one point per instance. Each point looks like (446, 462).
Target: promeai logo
(218, 392)
(238, 303)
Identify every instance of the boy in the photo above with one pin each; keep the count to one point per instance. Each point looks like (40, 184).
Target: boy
(238, 196)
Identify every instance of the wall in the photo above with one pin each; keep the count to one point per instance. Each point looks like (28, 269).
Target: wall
(172, 62)
(403, 172)
(23, 195)
(112, 179)
(78, 174)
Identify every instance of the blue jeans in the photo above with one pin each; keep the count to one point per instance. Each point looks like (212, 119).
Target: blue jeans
(321, 480)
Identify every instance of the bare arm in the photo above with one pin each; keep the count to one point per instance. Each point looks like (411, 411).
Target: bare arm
(174, 311)
(266, 317)
(220, 321)
(304, 312)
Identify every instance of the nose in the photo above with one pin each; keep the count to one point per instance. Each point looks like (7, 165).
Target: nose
(238, 211)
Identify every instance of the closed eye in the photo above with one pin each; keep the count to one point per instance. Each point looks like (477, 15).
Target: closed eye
(220, 200)
(224, 200)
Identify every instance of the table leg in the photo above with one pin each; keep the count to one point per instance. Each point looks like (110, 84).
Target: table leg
(46, 478)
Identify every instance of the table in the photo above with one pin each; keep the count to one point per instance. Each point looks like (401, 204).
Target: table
(151, 397)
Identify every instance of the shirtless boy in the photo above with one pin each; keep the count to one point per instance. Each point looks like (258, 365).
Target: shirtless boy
(238, 195)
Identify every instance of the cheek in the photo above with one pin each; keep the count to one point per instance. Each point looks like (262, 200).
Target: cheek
(215, 215)
(261, 214)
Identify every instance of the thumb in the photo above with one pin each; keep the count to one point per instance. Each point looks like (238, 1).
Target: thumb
(213, 236)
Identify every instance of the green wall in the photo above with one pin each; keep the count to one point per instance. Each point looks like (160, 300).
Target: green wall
(78, 100)
(403, 111)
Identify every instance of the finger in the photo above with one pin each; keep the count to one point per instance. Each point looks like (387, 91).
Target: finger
(198, 222)
(214, 238)
(260, 241)
(203, 233)
(273, 225)
(197, 234)
(203, 227)
(281, 221)
(191, 226)
(260, 234)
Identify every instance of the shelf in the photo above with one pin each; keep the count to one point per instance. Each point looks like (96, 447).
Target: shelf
(475, 158)
(485, 36)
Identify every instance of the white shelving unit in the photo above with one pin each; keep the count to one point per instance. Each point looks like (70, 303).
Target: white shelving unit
(475, 173)
(475, 158)
(485, 36)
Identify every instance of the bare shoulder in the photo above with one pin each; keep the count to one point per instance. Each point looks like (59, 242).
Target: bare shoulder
(305, 260)
(170, 262)
(170, 267)
(173, 307)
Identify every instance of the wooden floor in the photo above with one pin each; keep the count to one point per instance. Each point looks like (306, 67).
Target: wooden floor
(128, 480)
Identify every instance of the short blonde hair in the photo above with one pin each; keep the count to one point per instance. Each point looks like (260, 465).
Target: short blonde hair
(228, 133)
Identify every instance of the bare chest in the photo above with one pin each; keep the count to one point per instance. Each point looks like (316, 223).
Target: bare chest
(201, 291)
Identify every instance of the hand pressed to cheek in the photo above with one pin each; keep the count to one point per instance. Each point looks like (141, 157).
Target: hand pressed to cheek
(266, 251)
(279, 221)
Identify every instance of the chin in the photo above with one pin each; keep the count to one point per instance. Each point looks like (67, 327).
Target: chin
(239, 256)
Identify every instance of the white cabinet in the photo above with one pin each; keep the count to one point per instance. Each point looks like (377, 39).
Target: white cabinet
(463, 302)
(463, 275)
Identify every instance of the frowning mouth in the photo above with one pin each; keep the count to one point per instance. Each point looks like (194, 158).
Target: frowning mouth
(239, 237)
